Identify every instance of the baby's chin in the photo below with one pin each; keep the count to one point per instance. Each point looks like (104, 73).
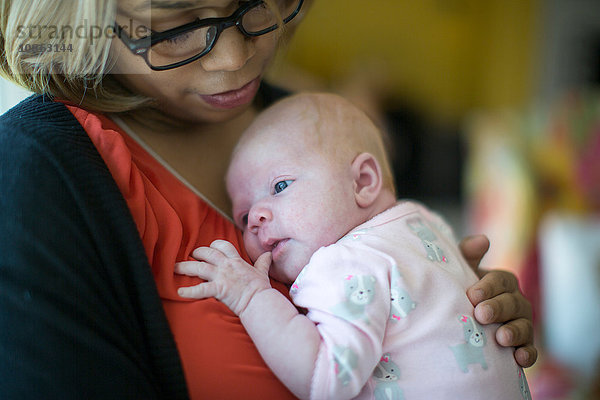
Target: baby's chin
(280, 277)
(285, 273)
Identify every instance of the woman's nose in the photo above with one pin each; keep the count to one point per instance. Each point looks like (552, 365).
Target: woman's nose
(230, 53)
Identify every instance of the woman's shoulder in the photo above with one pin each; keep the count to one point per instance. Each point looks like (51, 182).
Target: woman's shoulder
(40, 121)
(41, 126)
(41, 142)
(38, 111)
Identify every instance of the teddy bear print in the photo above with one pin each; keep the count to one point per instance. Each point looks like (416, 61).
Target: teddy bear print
(433, 251)
(359, 291)
(401, 302)
(344, 361)
(386, 375)
(470, 352)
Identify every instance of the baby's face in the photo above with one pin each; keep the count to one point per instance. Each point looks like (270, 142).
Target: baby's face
(290, 201)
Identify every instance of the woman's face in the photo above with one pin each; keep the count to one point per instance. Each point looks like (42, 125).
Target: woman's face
(214, 88)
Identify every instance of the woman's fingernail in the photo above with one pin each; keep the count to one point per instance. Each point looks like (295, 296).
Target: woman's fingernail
(527, 357)
(508, 335)
(487, 313)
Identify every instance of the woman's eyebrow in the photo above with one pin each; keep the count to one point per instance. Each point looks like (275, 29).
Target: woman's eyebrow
(165, 4)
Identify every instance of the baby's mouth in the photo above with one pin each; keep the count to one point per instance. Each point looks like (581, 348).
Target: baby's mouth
(278, 247)
(271, 244)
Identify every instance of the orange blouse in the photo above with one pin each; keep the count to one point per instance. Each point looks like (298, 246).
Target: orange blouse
(219, 359)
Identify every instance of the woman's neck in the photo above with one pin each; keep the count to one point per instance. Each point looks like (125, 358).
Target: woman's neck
(199, 153)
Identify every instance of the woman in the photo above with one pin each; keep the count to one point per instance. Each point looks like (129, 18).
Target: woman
(98, 177)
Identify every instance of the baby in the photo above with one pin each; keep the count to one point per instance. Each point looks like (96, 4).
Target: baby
(382, 282)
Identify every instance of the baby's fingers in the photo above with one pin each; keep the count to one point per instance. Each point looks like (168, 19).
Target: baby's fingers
(195, 268)
(200, 291)
(225, 247)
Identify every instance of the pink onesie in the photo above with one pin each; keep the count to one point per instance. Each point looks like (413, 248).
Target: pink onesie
(389, 302)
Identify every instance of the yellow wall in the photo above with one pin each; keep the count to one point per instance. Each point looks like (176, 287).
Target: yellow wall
(443, 56)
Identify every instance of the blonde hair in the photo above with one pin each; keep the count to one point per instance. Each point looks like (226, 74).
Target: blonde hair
(79, 74)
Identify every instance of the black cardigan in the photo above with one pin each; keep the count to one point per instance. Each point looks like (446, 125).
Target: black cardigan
(80, 315)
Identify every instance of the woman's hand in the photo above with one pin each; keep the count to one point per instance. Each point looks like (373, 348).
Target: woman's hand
(497, 298)
(229, 278)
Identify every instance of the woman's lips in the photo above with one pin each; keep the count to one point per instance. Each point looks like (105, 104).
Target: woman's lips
(233, 98)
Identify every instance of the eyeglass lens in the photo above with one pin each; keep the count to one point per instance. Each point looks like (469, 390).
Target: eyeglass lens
(192, 43)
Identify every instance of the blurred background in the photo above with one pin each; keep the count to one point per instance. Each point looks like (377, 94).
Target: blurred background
(492, 110)
(492, 115)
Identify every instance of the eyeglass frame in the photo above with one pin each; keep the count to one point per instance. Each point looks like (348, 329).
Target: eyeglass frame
(140, 47)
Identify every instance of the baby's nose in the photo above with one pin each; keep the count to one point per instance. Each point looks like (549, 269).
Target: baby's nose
(258, 216)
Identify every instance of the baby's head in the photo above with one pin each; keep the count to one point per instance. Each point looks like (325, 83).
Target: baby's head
(308, 170)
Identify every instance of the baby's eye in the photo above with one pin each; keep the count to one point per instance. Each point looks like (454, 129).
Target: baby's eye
(242, 221)
(281, 185)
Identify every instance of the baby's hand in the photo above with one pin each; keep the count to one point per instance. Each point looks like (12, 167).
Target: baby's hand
(229, 278)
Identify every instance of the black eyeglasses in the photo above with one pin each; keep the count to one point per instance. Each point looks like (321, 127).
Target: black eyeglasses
(186, 43)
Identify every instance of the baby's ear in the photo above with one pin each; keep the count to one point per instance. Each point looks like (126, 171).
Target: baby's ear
(366, 173)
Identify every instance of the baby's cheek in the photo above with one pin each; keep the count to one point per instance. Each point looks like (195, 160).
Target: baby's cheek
(252, 246)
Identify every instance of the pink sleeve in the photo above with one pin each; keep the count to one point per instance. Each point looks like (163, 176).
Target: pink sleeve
(346, 291)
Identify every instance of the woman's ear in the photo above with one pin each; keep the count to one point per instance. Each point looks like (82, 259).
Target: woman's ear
(366, 173)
